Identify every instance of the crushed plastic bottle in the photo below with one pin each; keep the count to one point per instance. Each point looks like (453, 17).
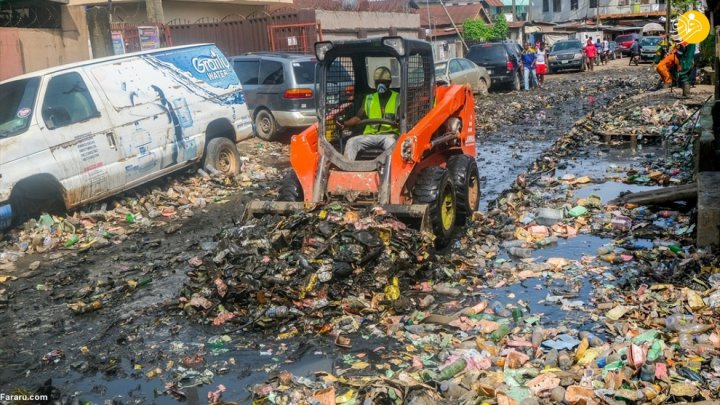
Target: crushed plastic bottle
(130, 218)
(72, 240)
(685, 324)
(520, 252)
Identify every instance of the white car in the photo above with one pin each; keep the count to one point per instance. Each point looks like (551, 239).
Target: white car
(78, 133)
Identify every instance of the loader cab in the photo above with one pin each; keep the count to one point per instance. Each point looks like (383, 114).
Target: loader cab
(345, 77)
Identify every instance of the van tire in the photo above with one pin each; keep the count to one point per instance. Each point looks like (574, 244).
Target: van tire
(27, 203)
(265, 125)
(223, 155)
(515, 85)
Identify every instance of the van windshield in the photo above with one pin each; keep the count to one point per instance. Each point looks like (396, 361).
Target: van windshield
(18, 98)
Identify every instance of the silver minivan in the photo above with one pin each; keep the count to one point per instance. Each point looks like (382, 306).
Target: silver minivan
(280, 89)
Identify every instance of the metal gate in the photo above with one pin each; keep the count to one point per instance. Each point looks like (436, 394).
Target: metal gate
(297, 38)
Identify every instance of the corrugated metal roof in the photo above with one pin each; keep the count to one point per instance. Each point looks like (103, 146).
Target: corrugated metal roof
(458, 14)
(494, 3)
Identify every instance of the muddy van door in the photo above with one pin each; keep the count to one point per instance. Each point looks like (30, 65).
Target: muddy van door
(75, 124)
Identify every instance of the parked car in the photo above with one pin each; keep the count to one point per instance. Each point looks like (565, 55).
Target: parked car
(78, 133)
(501, 60)
(625, 41)
(464, 71)
(648, 47)
(566, 55)
(279, 89)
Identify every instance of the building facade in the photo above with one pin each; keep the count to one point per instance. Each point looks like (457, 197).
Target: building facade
(558, 11)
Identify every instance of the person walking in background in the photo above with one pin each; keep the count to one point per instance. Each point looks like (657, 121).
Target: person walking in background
(590, 54)
(598, 51)
(605, 51)
(540, 66)
(529, 60)
(634, 52)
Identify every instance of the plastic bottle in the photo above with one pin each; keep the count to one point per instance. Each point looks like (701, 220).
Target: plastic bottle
(48, 242)
(517, 314)
(564, 360)
(685, 324)
(538, 335)
(445, 289)
(675, 248)
(551, 358)
(499, 333)
(72, 240)
(279, 312)
(550, 240)
(451, 370)
(130, 218)
(519, 252)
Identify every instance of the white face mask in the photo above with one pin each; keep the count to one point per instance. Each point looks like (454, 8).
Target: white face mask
(381, 88)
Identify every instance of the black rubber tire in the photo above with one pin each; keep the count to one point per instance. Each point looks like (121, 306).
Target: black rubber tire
(223, 155)
(466, 179)
(265, 125)
(290, 188)
(482, 88)
(431, 186)
(515, 85)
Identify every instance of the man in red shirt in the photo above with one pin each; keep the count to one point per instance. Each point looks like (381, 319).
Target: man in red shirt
(590, 54)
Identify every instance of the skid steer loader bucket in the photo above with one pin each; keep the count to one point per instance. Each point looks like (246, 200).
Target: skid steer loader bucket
(413, 215)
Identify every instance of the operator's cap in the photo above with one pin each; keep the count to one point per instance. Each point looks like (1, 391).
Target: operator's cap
(382, 74)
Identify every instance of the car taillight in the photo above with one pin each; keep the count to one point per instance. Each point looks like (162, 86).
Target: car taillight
(509, 65)
(349, 90)
(298, 93)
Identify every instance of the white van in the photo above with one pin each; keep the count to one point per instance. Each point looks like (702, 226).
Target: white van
(78, 133)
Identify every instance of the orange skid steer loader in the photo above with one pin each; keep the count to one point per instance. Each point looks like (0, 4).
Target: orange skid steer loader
(429, 176)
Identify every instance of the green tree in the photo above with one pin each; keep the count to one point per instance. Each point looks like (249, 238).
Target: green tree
(476, 30)
(499, 31)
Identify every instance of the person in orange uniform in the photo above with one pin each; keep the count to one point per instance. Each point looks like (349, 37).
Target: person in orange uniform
(666, 67)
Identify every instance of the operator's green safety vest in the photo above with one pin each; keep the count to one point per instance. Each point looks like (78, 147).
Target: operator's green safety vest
(373, 110)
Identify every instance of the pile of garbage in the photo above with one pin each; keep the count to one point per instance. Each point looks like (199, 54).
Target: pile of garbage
(163, 206)
(311, 266)
(642, 121)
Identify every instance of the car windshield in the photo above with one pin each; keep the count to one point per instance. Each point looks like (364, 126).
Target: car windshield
(486, 53)
(304, 72)
(566, 46)
(649, 41)
(18, 98)
(440, 68)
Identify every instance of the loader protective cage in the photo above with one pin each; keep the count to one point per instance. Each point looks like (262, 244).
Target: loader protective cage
(345, 78)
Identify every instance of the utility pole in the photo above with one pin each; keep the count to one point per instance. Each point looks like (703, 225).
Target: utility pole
(668, 5)
(462, 38)
(514, 14)
(154, 11)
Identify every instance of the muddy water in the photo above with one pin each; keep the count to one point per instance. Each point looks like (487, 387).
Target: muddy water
(145, 330)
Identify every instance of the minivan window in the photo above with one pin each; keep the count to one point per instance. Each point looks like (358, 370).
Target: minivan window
(271, 72)
(247, 71)
(623, 38)
(566, 46)
(304, 72)
(67, 101)
(487, 53)
(18, 98)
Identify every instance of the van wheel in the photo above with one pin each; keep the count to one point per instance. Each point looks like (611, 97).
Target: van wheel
(516, 82)
(30, 199)
(466, 179)
(265, 125)
(434, 188)
(290, 188)
(223, 155)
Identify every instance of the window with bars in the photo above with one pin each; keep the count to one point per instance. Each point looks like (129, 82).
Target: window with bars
(573, 4)
(593, 3)
(546, 6)
(557, 6)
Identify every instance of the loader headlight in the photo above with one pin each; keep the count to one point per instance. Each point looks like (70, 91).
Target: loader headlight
(406, 149)
(322, 48)
(395, 43)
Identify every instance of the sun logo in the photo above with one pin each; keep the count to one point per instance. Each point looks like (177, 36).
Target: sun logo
(693, 27)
